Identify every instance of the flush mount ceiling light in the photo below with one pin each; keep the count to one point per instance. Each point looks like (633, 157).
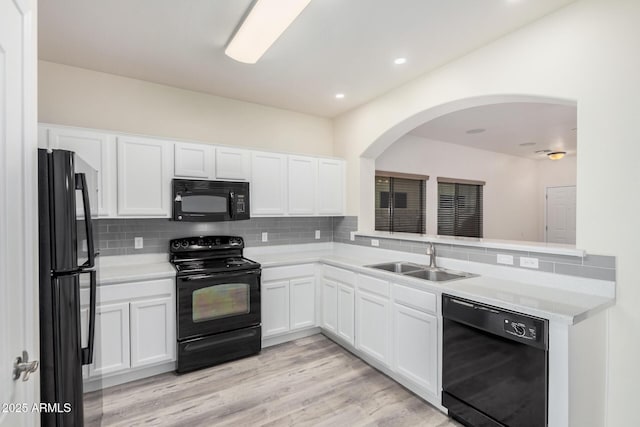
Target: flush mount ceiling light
(266, 21)
(339, 95)
(400, 61)
(556, 155)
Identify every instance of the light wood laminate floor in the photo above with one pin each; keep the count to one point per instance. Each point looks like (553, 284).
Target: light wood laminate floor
(307, 382)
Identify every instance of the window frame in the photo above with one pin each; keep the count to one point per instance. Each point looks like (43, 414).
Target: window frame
(392, 201)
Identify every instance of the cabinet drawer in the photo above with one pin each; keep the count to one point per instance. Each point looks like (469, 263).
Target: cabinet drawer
(341, 275)
(421, 300)
(289, 272)
(371, 284)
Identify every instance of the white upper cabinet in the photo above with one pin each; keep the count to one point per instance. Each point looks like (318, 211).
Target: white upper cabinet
(97, 150)
(268, 183)
(233, 164)
(331, 184)
(302, 185)
(193, 160)
(144, 177)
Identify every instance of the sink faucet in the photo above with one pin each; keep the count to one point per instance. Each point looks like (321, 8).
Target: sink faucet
(431, 251)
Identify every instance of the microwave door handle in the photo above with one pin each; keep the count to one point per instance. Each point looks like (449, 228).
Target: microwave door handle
(81, 184)
(232, 204)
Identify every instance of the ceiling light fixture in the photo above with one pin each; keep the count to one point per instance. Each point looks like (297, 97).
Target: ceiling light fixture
(339, 95)
(556, 155)
(266, 21)
(400, 61)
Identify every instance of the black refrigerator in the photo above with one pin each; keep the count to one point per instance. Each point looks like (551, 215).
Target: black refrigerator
(67, 190)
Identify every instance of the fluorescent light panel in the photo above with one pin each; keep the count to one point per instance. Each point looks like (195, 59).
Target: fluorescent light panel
(266, 22)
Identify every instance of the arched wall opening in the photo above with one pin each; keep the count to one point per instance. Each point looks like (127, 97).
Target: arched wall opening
(367, 160)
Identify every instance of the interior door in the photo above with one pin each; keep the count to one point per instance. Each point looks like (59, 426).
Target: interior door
(18, 213)
(561, 215)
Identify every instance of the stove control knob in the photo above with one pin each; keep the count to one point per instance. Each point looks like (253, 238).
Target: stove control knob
(235, 241)
(217, 241)
(175, 244)
(184, 243)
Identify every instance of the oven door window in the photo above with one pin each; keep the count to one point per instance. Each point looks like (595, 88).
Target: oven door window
(218, 301)
(199, 203)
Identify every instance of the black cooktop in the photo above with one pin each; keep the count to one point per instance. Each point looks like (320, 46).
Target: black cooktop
(209, 254)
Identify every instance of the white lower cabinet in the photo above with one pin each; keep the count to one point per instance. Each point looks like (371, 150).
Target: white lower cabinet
(275, 308)
(152, 331)
(416, 346)
(135, 326)
(288, 299)
(302, 297)
(330, 305)
(111, 351)
(373, 326)
(346, 313)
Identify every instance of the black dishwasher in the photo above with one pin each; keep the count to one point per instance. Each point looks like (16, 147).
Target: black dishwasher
(494, 365)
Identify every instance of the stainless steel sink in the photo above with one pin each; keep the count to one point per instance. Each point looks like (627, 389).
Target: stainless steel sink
(421, 271)
(439, 275)
(398, 267)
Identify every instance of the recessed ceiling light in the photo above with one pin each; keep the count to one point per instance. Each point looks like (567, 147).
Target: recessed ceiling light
(474, 131)
(339, 95)
(527, 144)
(400, 61)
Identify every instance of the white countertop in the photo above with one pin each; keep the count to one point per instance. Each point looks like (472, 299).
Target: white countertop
(133, 268)
(558, 302)
(555, 297)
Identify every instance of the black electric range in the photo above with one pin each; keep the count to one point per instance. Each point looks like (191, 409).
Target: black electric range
(218, 301)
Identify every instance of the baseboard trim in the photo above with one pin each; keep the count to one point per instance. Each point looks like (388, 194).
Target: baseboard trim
(94, 384)
(290, 336)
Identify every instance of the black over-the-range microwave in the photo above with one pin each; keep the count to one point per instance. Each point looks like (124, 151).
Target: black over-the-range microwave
(208, 201)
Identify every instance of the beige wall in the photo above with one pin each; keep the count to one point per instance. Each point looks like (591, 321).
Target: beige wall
(79, 97)
(588, 53)
(510, 194)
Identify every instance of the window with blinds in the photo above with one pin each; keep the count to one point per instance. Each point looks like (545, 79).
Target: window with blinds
(460, 207)
(400, 202)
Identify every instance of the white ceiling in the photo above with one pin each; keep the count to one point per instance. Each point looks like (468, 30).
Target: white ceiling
(549, 126)
(334, 46)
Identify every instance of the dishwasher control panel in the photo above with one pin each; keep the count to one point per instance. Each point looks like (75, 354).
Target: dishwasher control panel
(520, 329)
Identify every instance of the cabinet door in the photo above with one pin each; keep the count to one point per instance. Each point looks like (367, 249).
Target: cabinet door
(111, 351)
(302, 173)
(144, 177)
(330, 305)
(331, 185)
(96, 150)
(153, 336)
(268, 183)
(193, 160)
(275, 308)
(416, 346)
(303, 302)
(233, 164)
(373, 326)
(346, 310)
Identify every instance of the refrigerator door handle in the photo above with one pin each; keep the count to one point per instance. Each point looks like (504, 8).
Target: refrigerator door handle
(87, 352)
(81, 184)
